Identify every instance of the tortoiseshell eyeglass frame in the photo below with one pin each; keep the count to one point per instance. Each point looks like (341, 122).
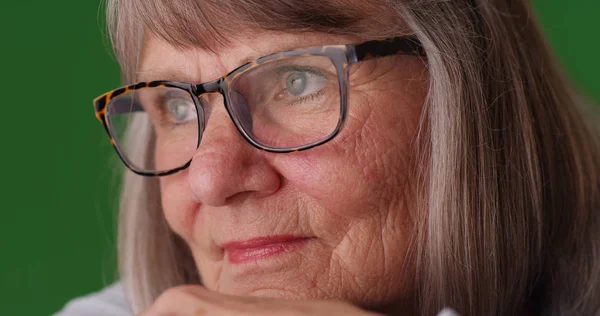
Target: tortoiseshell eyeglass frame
(342, 57)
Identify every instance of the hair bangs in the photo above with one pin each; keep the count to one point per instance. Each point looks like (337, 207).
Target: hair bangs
(209, 23)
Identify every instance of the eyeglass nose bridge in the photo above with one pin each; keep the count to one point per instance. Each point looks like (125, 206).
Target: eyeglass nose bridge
(198, 90)
(205, 107)
(208, 87)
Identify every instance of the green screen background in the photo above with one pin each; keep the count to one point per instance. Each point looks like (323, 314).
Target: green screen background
(58, 191)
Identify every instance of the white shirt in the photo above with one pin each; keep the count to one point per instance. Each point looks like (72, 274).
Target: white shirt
(109, 301)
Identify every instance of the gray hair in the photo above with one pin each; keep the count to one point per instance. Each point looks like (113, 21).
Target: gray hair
(509, 217)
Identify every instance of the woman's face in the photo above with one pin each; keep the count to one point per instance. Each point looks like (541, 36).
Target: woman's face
(332, 222)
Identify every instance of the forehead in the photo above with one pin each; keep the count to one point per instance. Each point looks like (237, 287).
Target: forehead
(162, 61)
(179, 33)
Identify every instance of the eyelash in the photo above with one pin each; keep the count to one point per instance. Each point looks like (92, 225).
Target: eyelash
(310, 97)
(283, 70)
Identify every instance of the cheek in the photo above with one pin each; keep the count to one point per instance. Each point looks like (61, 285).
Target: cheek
(179, 208)
(364, 191)
(362, 180)
(372, 157)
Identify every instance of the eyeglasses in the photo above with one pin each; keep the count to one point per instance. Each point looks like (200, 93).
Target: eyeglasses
(284, 102)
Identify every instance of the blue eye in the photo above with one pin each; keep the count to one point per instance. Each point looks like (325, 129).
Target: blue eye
(181, 110)
(300, 84)
(296, 83)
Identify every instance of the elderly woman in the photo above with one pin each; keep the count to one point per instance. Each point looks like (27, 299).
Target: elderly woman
(349, 158)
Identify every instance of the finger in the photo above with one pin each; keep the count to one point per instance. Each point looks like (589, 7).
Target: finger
(188, 300)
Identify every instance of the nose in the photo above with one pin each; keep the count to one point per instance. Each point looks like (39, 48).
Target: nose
(225, 165)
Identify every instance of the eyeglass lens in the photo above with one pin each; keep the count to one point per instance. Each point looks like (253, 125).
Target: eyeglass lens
(280, 104)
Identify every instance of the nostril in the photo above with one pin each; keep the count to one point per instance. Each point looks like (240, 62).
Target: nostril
(240, 110)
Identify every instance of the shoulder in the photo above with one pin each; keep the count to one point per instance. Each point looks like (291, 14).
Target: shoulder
(109, 301)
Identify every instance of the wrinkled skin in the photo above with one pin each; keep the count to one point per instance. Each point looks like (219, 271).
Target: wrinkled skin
(354, 196)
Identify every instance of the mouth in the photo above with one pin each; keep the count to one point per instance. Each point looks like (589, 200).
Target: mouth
(261, 248)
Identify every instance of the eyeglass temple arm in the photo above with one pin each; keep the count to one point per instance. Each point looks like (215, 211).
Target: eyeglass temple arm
(126, 107)
(403, 45)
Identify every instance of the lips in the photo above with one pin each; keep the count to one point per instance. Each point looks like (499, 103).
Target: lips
(262, 247)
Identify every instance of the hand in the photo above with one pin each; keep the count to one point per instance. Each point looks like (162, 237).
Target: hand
(195, 300)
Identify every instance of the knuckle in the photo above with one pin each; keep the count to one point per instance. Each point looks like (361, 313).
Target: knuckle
(171, 295)
(182, 298)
